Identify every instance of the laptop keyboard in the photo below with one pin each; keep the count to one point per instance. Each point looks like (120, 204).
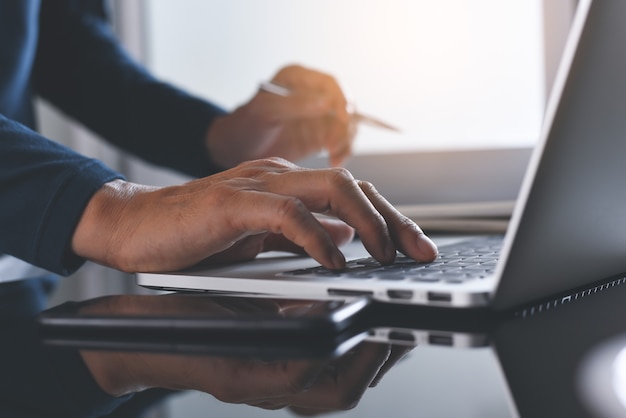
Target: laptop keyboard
(467, 260)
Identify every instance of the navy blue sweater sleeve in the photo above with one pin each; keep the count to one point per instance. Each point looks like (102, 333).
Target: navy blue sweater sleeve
(45, 188)
(82, 69)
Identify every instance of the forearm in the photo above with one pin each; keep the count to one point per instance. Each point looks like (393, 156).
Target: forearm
(82, 69)
(45, 188)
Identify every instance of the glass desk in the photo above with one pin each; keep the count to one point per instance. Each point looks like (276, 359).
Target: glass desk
(550, 363)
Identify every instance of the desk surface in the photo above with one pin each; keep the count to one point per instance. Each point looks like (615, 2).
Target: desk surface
(546, 365)
(560, 362)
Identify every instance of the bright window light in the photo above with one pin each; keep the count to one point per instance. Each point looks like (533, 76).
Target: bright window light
(449, 73)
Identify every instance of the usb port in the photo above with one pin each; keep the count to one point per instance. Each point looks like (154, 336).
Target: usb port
(402, 336)
(438, 339)
(439, 297)
(400, 294)
(349, 292)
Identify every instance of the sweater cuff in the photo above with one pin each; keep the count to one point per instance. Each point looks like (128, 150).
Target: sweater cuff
(54, 250)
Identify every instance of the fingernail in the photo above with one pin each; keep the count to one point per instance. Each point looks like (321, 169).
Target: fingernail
(390, 251)
(339, 261)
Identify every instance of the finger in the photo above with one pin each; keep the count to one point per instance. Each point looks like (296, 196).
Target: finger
(342, 383)
(299, 79)
(278, 242)
(398, 353)
(339, 231)
(311, 134)
(336, 192)
(245, 249)
(298, 139)
(273, 381)
(338, 157)
(328, 191)
(305, 136)
(407, 235)
(288, 216)
(349, 377)
(339, 142)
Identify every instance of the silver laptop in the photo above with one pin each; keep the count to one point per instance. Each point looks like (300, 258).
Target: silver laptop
(567, 230)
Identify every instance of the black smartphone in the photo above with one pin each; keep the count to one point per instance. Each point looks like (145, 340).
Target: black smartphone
(326, 330)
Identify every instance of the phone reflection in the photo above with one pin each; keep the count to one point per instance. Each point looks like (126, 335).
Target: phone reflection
(273, 354)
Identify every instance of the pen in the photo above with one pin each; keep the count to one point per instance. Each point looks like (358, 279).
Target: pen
(283, 91)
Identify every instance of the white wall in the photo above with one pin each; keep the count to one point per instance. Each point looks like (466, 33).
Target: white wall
(449, 73)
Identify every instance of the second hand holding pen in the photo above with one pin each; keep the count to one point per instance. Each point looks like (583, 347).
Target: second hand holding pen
(279, 90)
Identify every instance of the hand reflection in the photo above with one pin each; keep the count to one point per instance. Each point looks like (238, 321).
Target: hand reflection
(307, 387)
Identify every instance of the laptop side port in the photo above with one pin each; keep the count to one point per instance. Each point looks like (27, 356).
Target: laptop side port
(400, 294)
(349, 292)
(441, 339)
(439, 297)
(401, 336)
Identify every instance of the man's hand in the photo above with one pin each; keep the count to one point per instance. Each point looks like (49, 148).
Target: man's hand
(308, 386)
(312, 118)
(259, 205)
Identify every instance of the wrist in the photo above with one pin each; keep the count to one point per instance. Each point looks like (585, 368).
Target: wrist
(100, 229)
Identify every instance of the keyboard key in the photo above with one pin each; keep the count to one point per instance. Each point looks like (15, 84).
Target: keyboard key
(456, 264)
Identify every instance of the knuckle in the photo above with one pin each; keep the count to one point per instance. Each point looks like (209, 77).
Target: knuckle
(248, 169)
(268, 165)
(246, 164)
(277, 162)
(366, 186)
(257, 169)
(406, 222)
(342, 177)
(370, 190)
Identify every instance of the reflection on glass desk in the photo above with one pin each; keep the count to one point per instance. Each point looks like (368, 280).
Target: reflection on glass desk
(472, 364)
